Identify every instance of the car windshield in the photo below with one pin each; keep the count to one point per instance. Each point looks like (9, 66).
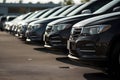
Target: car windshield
(60, 11)
(91, 5)
(19, 17)
(10, 18)
(26, 15)
(40, 13)
(33, 14)
(108, 6)
(48, 13)
(69, 10)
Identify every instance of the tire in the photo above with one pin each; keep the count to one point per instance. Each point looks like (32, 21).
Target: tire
(114, 63)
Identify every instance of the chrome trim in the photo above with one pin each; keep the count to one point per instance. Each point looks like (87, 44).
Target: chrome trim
(47, 46)
(55, 41)
(44, 37)
(73, 57)
(55, 37)
(87, 50)
(16, 35)
(28, 40)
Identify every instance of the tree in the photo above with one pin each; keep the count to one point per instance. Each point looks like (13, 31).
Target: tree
(68, 2)
(21, 1)
(84, 1)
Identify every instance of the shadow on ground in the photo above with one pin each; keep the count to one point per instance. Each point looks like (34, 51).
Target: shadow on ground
(91, 64)
(96, 76)
(37, 43)
(52, 51)
(68, 61)
(88, 76)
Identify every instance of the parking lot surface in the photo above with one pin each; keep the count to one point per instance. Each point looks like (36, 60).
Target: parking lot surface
(21, 61)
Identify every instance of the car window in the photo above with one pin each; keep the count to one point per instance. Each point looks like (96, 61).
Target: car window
(72, 8)
(11, 18)
(33, 14)
(108, 7)
(92, 5)
(51, 11)
(60, 11)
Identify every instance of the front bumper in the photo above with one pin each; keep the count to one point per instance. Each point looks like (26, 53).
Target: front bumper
(54, 42)
(86, 48)
(33, 38)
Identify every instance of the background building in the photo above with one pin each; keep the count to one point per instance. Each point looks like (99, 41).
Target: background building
(20, 8)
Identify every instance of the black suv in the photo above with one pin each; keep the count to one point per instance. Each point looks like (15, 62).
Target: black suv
(57, 32)
(97, 39)
(38, 33)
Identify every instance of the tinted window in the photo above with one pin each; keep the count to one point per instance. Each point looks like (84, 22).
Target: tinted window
(3, 19)
(11, 18)
(92, 5)
(108, 7)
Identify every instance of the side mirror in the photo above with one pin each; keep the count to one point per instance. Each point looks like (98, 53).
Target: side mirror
(87, 11)
(116, 9)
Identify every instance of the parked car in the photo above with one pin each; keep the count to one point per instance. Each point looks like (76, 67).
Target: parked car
(31, 17)
(8, 18)
(10, 25)
(97, 39)
(57, 32)
(37, 34)
(4, 19)
(7, 24)
(23, 23)
(32, 25)
(50, 13)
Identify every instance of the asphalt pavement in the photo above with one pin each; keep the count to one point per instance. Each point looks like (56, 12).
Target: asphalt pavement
(21, 61)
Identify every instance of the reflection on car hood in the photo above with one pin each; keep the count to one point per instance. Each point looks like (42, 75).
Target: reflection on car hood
(66, 19)
(94, 19)
(46, 20)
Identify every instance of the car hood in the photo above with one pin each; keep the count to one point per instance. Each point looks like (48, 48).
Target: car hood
(90, 21)
(28, 21)
(67, 19)
(46, 20)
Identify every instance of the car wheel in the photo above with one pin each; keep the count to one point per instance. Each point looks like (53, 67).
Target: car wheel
(114, 62)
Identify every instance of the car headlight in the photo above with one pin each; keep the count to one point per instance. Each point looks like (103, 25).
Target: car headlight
(97, 29)
(59, 27)
(34, 26)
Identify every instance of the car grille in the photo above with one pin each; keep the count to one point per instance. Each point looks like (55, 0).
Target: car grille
(48, 29)
(55, 40)
(76, 33)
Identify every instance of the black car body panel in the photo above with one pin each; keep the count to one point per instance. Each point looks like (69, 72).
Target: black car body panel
(58, 39)
(84, 6)
(55, 12)
(94, 46)
(37, 34)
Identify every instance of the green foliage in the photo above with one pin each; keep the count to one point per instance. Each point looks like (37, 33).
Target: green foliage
(68, 2)
(84, 1)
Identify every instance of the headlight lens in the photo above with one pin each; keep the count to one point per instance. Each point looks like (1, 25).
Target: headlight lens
(60, 27)
(97, 29)
(22, 27)
(34, 26)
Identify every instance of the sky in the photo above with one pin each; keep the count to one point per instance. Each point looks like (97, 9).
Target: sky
(41, 1)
